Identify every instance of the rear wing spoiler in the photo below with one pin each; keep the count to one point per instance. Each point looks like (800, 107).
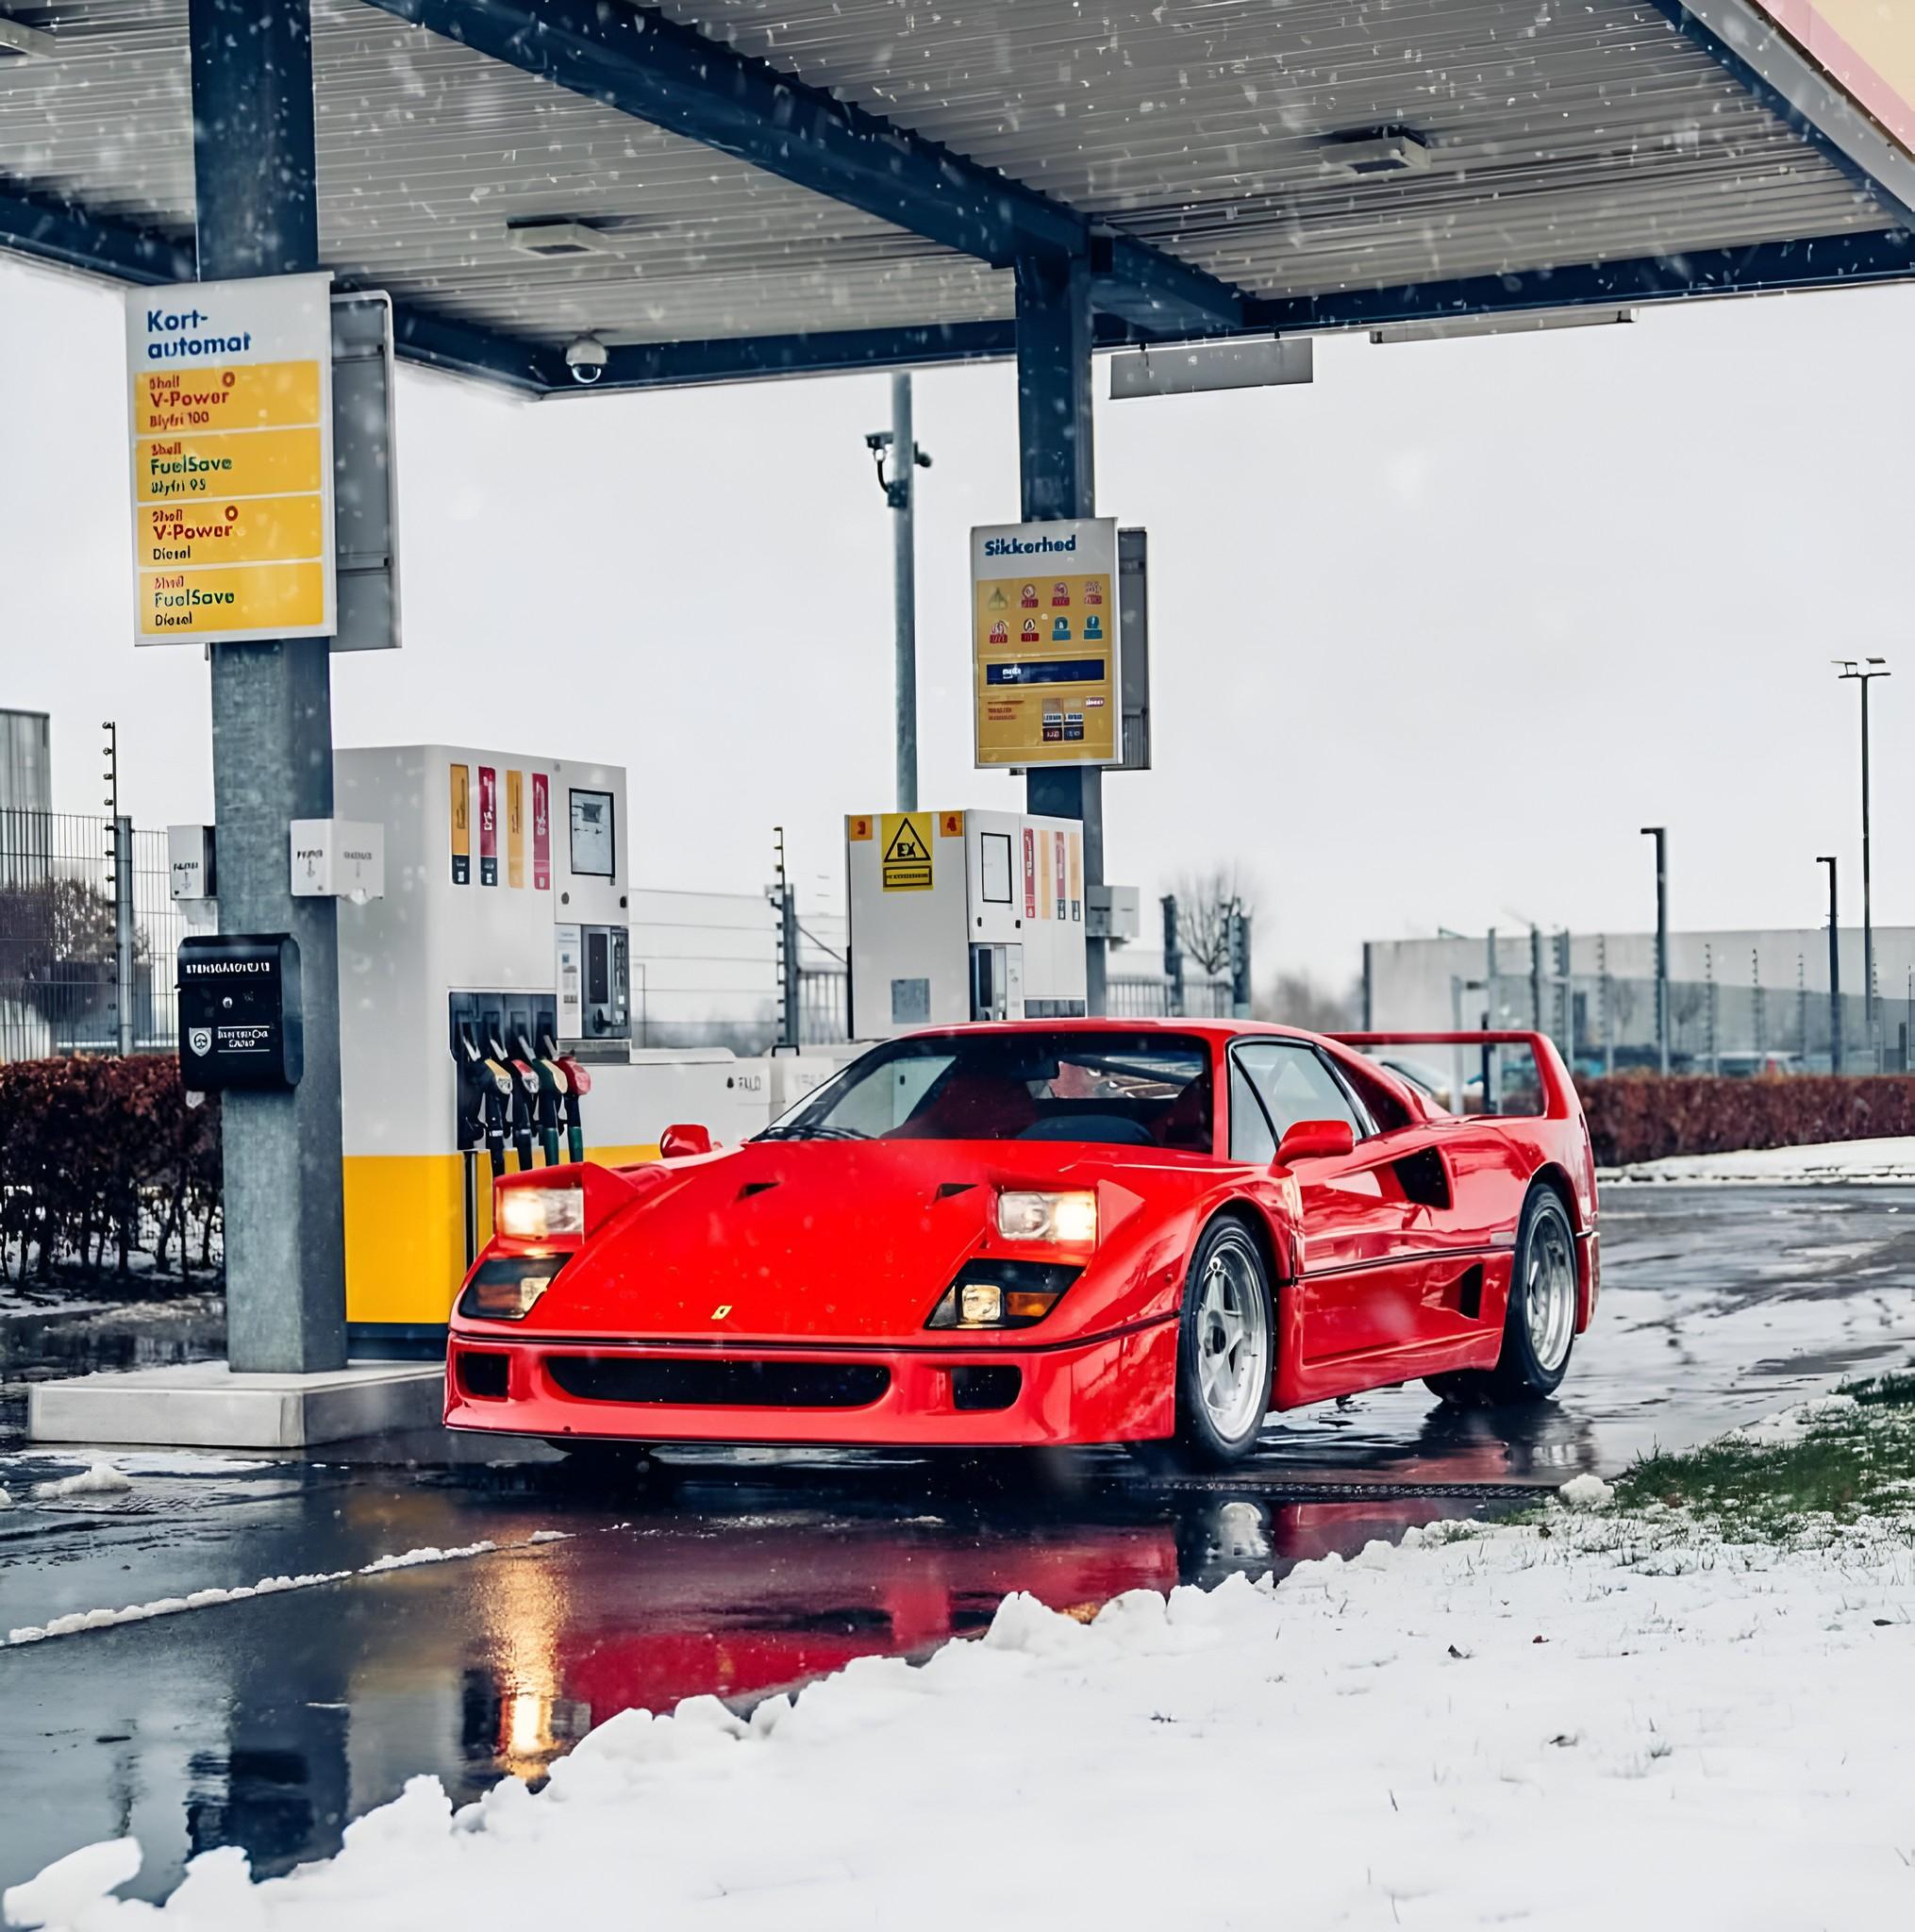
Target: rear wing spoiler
(1560, 1100)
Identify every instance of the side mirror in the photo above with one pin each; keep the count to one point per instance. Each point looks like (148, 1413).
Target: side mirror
(675, 1143)
(1315, 1140)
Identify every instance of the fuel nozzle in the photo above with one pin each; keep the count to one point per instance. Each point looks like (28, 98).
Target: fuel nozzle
(495, 1099)
(551, 1094)
(522, 1086)
(577, 1084)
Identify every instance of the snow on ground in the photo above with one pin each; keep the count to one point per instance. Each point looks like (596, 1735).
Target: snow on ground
(1569, 1722)
(96, 1480)
(77, 1621)
(1881, 1163)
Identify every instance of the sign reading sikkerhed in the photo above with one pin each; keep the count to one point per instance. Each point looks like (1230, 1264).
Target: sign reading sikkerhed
(1044, 643)
(231, 393)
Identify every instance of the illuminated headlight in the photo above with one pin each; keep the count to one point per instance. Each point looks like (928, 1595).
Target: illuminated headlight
(1069, 1218)
(507, 1288)
(541, 1214)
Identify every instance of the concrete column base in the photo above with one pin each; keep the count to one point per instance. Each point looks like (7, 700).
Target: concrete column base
(206, 1405)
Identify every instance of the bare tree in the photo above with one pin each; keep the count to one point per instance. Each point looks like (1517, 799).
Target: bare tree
(1299, 999)
(1205, 902)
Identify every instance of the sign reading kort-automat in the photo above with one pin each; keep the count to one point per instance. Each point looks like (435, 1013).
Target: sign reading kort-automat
(232, 397)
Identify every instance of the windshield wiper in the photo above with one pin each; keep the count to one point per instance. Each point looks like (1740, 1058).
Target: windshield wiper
(812, 1134)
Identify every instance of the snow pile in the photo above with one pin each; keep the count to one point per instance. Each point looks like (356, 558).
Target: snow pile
(69, 1884)
(1878, 1163)
(99, 1479)
(6, 1499)
(1478, 1729)
(1587, 1492)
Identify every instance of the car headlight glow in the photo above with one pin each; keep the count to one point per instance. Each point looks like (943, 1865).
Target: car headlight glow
(542, 1214)
(1067, 1217)
(505, 1288)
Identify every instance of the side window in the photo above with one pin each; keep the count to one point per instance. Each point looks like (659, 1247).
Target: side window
(1250, 1137)
(1295, 1084)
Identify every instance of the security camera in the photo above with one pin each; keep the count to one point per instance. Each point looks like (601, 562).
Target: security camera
(586, 358)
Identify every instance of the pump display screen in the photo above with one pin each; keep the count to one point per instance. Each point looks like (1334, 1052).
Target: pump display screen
(591, 834)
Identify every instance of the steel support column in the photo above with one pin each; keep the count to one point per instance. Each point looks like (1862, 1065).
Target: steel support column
(257, 215)
(1057, 476)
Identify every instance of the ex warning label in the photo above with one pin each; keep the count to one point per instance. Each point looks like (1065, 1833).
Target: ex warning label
(907, 837)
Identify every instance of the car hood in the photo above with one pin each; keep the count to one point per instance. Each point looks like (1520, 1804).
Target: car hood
(817, 1241)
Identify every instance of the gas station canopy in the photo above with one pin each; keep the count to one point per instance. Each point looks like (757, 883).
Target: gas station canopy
(722, 188)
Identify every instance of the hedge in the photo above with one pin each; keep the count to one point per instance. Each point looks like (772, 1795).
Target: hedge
(102, 1160)
(1645, 1117)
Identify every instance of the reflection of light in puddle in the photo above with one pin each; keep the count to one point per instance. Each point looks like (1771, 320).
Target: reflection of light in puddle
(536, 1724)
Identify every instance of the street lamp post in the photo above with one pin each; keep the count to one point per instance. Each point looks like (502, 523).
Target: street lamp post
(1834, 969)
(1661, 835)
(899, 492)
(1863, 674)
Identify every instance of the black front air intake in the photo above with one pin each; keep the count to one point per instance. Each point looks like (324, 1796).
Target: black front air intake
(729, 1384)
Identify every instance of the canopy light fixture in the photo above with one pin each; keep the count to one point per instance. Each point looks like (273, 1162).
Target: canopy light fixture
(1185, 369)
(554, 240)
(1508, 324)
(1376, 151)
(23, 43)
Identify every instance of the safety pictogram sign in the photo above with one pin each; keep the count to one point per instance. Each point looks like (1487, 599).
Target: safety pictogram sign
(907, 859)
(1045, 687)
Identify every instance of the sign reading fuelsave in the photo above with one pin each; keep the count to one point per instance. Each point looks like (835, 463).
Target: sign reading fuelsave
(231, 392)
(1044, 643)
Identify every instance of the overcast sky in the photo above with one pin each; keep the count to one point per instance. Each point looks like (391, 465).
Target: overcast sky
(1432, 639)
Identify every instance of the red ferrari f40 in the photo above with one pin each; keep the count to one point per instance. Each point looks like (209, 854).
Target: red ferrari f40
(1051, 1232)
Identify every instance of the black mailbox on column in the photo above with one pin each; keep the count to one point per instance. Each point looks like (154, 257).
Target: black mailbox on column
(238, 1012)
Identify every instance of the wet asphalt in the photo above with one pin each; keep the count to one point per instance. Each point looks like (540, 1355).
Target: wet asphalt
(271, 1723)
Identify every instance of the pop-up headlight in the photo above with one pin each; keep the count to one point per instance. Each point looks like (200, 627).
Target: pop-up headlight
(505, 1288)
(1067, 1219)
(542, 1214)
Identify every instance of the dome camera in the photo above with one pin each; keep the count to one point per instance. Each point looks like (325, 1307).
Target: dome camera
(586, 357)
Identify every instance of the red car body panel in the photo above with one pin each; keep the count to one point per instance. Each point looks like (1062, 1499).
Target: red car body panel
(785, 1258)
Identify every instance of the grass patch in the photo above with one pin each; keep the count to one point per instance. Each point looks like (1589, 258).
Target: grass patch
(1851, 1460)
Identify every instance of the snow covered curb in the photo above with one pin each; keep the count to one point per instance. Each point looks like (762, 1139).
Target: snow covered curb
(1479, 1726)
(1852, 1163)
(78, 1621)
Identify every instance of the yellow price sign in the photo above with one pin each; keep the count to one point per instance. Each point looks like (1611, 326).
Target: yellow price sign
(269, 529)
(259, 462)
(176, 602)
(264, 395)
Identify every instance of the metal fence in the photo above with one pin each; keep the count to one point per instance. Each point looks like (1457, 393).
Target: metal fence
(1150, 996)
(1606, 1022)
(87, 936)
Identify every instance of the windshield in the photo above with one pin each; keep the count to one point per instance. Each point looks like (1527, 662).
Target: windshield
(1141, 1090)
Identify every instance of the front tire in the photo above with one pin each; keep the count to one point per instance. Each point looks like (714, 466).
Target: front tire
(1226, 1353)
(1538, 1325)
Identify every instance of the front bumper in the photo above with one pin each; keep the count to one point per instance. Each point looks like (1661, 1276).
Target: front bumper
(1110, 1389)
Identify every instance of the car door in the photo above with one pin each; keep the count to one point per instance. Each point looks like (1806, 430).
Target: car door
(1363, 1264)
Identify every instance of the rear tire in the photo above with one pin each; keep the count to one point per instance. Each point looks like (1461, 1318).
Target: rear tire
(1226, 1355)
(1538, 1326)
